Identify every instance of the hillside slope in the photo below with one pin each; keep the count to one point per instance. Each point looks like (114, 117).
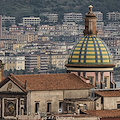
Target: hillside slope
(20, 8)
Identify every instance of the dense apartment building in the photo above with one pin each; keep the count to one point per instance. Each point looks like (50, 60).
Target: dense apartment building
(51, 17)
(70, 17)
(113, 16)
(66, 30)
(11, 44)
(99, 15)
(32, 61)
(31, 21)
(20, 30)
(111, 41)
(59, 60)
(32, 37)
(12, 61)
(7, 43)
(20, 38)
(45, 29)
(0, 26)
(10, 19)
(44, 63)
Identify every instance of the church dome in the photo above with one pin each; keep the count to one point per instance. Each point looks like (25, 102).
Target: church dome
(90, 50)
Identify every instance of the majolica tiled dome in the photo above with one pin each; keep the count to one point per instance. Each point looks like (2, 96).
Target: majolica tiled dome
(90, 50)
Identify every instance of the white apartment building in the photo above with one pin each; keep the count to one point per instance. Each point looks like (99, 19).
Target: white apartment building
(70, 17)
(45, 29)
(31, 21)
(52, 17)
(20, 38)
(13, 61)
(99, 15)
(113, 16)
(59, 60)
(12, 20)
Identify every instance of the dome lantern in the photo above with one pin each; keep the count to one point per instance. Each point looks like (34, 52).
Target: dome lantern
(90, 23)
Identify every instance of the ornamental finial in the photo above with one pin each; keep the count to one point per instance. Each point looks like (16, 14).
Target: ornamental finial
(90, 8)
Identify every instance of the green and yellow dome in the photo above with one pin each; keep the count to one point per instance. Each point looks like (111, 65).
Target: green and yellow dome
(90, 50)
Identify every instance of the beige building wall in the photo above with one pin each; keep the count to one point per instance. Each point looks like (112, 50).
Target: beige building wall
(18, 45)
(32, 38)
(20, 63)
(10, 65)
(76, 94)
(54, 97)
(59, 60)
(111, 102)
(80, 117)
(98, 105)
(43, 97)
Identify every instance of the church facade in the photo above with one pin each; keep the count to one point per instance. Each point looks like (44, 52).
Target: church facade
(26, 95)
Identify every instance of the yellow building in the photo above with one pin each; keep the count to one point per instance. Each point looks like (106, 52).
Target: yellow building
(32, 37)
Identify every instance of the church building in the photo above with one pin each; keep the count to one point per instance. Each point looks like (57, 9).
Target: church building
(82, 92)
(90, 57)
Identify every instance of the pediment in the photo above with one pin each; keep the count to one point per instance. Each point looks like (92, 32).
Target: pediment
(10, 86)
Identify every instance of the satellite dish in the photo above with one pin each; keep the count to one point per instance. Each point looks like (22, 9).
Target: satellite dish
(60, 110)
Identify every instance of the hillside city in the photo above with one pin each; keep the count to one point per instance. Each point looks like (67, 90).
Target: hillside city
(60, 71)
(43, 46)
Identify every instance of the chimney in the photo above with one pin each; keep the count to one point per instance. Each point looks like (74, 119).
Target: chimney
(25, 84)
(90, 23)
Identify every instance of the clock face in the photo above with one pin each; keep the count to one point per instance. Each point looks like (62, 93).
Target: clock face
(11, 107)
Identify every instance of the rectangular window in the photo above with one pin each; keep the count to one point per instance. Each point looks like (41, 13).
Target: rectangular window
(118, 106)
(105, 81)
(48, 107)
(60, 105)
(36, 107)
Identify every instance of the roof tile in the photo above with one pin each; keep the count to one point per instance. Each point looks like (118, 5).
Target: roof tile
(52, 81)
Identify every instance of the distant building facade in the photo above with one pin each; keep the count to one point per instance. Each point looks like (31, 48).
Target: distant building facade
(31, 21)
(13, 61)
(52, 17)
(0, 26)
(99, 15)
(113, 16)
(73, 17)
(10, 19)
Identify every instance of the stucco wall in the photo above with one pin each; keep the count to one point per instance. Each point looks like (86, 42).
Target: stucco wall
(77, 118)
(111, 102)
(76, 93)
(42, 97)
(98, 104)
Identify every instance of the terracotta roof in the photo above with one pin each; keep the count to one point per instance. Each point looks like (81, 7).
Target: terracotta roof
(109, 93)
(104, 113)
(52, 81)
